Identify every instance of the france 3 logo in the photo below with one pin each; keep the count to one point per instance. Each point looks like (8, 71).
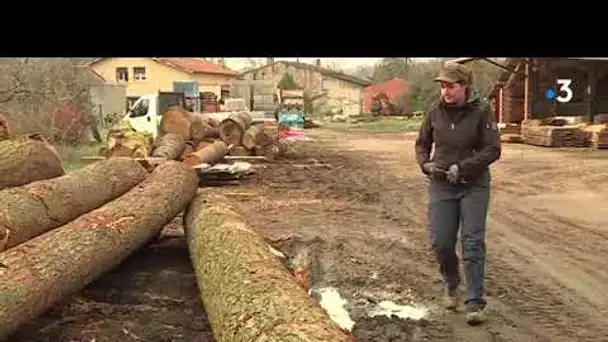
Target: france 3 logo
(564, 93)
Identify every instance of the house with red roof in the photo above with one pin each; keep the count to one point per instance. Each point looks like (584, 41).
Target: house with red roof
(146, 75)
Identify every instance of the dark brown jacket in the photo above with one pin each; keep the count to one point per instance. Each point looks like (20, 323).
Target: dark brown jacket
(467, 136)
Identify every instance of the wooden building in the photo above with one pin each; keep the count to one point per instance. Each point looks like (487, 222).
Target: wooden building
(521, 90)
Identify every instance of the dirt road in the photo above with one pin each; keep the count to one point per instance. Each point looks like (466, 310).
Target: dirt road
(357, 203)
(364, 214)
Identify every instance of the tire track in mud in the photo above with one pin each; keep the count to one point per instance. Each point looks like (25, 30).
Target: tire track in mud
(547, 309)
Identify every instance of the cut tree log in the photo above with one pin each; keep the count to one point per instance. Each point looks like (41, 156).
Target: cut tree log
(65, 260)
(129, 143)
(27, 158)
(254, 136)
(249, 294)
(232, 129)
(209, 155)
(169, 146)
(201, 145)
(175, 120)
(5, 132)
(272, 151)
(189, 147)
(240, 151)
(191, 126)
(43, 205)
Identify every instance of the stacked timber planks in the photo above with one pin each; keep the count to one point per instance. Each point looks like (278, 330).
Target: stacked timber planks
(536, 132)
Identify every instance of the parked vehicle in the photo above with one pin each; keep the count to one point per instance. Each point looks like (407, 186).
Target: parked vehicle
(147, 111)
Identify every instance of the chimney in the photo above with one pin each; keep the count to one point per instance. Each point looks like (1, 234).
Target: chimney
(318, 62)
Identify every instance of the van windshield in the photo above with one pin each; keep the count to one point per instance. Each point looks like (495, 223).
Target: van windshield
(140, 109)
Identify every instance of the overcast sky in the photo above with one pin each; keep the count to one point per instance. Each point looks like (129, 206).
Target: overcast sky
(345, 63)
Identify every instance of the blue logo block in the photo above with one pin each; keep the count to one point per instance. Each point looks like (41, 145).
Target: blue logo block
(550, 94)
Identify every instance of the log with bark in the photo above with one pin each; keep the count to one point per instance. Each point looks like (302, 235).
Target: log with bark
(209, 155)
(254, 136)
(191, 126)
(272, 151)
(240, 151)
(27, 158)
(232, 129)
(249, 295)
(4, 128)
(189, 147)
(169, 146)
(201, 145)
(38, 207)
(48, 268)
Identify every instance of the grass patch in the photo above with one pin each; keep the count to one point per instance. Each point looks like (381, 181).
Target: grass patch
(71, 156)
(377, 124)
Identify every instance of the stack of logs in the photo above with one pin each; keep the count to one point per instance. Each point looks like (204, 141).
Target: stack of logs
(86, 222)
(196, 138)
(552, 133)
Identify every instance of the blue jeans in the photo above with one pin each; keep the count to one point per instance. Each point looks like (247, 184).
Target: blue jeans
(460, 206)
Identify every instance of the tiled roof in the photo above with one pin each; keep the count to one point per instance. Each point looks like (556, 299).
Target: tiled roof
(189, 64)
(323, 71)
(198, 65)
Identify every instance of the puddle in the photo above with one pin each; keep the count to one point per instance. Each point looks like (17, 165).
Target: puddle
(388, 308)
(329, 298)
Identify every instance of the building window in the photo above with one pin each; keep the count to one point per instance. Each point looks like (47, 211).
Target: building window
(122, 74)
(139, 73)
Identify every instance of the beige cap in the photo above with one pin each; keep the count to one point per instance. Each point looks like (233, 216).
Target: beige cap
(454, 72)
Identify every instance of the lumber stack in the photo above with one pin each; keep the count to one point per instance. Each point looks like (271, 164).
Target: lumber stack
(536, 133)
(239, 276)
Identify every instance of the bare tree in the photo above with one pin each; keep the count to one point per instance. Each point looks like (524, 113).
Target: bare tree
(46, 95)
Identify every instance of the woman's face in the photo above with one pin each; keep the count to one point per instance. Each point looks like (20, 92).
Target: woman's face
(453, 93)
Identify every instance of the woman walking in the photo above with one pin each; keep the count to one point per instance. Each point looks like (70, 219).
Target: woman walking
(466, 139)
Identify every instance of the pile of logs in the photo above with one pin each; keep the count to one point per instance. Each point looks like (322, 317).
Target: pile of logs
(536, 132)
(196, 138)
(61, 231)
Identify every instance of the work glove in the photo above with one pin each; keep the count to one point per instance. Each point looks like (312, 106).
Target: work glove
(432, 171)
(452, 174)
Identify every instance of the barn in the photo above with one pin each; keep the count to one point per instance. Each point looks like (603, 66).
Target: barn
(531, 88)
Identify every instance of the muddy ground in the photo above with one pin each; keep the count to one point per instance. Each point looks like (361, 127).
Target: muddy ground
(357, 201)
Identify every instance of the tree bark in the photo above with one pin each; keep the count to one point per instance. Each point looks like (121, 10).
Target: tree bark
(200, 129)
(28, 158)
(209, 155)
(43, 205)
(174, 120)
(42, 271)
(169, 146)
(272, 151)
(240, 151)
(249, 295)
(191, 126)
(189, 148)
(254, 136)
(201, 145)
(232, 128)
